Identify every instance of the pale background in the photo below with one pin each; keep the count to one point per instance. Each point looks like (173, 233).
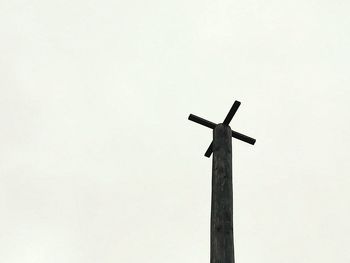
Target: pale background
(99, 163)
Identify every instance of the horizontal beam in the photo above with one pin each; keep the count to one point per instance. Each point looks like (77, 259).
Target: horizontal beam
(243, 137)
(202, 121)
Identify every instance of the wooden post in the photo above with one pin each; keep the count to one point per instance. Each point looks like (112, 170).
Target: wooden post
(221, 243)
(221, 223)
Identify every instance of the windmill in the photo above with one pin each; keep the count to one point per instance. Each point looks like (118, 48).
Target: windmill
(221, 222)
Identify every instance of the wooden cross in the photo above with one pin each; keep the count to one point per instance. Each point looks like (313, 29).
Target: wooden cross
(221, 223)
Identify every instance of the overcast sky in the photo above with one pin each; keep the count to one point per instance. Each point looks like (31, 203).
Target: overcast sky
(99, 164)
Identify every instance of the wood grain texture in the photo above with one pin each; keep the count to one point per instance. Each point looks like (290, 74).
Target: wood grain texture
(221, 229)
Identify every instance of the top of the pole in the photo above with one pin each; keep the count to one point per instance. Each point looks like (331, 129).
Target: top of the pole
(226, 122)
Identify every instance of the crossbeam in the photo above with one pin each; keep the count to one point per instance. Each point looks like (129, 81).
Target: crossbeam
(202, 121)
(226, 122)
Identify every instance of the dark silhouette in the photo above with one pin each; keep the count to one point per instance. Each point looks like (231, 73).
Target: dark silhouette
(221, 228)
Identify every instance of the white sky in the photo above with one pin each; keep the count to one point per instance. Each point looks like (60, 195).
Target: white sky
(98, 162)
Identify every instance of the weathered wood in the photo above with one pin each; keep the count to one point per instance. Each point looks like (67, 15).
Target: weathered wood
(221, 225)
(221, 243)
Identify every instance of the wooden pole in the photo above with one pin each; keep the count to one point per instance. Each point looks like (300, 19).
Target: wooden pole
(221, 229)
